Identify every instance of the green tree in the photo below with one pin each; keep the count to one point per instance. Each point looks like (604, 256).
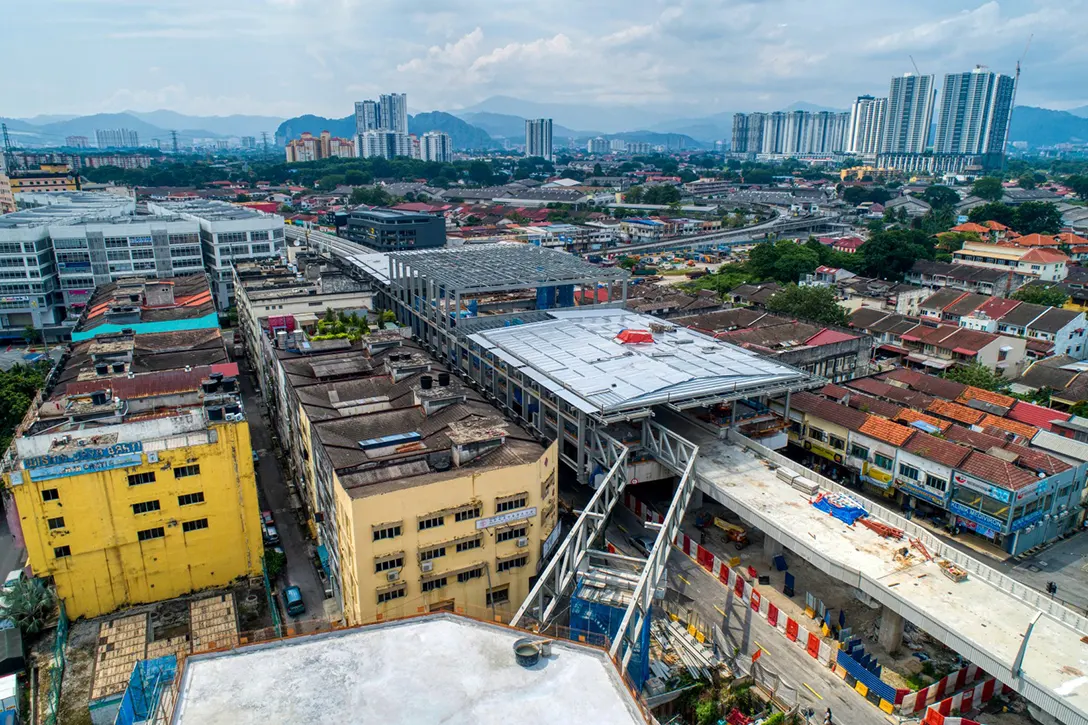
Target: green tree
(274, 563)
(597, 171)
(988, 188)
(1079, 184)
(479, 172)
(1026, 181)
(370, 195)
(29, 604)
(890, 254)
(793, 261)
(32, 335)
(761, 260)
(954, 241)
(817, 304)
(1041, 294)
(977, 375)
(938, 196)
(707, 712)
(1037, 217)
(995, 212)
(633, 195)
(628, 262)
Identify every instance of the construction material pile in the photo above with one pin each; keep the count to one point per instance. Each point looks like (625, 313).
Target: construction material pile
(841, 506)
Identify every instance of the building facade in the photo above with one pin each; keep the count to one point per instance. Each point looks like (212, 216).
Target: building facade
(387, 230)
(866, 125)
(538, 138)
(393, 112)
(436, 146)
(909, 115)
(790, 133)
(117, 138)
(366, 117)
(384, 144)
(974, 116)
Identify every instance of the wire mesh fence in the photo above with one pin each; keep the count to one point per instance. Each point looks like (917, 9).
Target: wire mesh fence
(55, 671)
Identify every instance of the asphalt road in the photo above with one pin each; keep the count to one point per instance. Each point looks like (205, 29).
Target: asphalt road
(10, 557)
(816, 685)
(275, 497)
(1066, 564)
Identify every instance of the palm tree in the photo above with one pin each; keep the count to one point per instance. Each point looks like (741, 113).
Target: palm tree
(29, 604)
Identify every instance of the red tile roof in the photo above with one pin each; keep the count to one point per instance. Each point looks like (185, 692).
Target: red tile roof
(970, 227)
(1071, 239)
(824, 409)
(887, 431)
(1036, 460)
(828, 337)
(955, 411)
(149, 385)
(876, 406)
(997, 471)
(974, 438)
(997, 307)
(972, 393)
(1013, 426)
(1035, 415)
(1036, 240)
(939, 451)
(996, 226)
(1044, 256)
(835, 392)
(928, 384)
(909, 415)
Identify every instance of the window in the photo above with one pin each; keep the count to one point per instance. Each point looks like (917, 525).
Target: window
(473, 543)
(512, 503)
(190, 498)
(388, 563)
(432, 553)
(816, 434)
(937, 483)
(884, 462)
(138, 479)
(194, 525)
(909, 472)
(145, 507)
(57, 523)
(498, 595)
(50, 494)
(389, 531)
(508, 534)
(859, 451)
(59, 552)
(470, 574)
(515, 563)
(186, 471)
(147, 534)
(837, 443)
(467, 514)
(431, 523)
(430, 586)
(390, 594)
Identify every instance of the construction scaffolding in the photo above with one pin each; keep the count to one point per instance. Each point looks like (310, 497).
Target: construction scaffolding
(146, 685)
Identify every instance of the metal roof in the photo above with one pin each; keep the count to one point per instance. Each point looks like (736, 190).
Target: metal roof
(513, 266)
(576, 356)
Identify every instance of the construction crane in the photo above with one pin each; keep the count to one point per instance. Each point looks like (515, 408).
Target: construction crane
(916, 71)
(9, 152)
(1012, 103)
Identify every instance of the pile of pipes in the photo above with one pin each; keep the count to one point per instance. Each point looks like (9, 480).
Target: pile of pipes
(682, 650)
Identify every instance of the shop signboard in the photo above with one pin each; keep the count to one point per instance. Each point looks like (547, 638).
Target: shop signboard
(824, 452)
(1026, 520)
(876, 476)
(78, 468)
(915, 489)
(977, 516)
(996, 493)
(83, 454)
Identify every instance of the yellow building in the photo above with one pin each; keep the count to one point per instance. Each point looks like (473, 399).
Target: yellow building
(48, 177)
(420, 494)
(133, 488)
(7, 200)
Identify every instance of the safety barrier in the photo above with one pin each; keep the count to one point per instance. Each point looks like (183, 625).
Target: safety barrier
(917, 701)
(644, 512)
(939, 713)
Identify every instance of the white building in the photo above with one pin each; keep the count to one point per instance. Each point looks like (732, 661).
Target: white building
(538, 138)
(975, 111)
(366, 117)
(393, 112)
(597, 145)
(229, 234)
(436, 146)
(618, 145)
(117, 138)
(866, 125)
(909, 114)
(384, 144)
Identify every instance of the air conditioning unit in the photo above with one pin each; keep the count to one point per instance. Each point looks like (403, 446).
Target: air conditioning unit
(392, 575)
(523, 542)
(426, 566)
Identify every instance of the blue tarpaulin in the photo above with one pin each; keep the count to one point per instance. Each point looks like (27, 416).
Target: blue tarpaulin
(841, 507)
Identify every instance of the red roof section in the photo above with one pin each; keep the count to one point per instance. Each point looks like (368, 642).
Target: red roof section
(828, 337)
(886, 431)
(1012, 426)
(910, 415)
(970, 227)
(1035, 415)
(997, 307)
(955, 411)
(994, 470)
(1044, 256)
(1036, 240)
(972, 393)
(944, 452)
(631, 337)
(149, 385)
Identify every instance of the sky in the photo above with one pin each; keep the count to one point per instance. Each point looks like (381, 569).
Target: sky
(679, 58)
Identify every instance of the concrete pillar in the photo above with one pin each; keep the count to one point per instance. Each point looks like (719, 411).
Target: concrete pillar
(696, 500)
(771, 548)
(891, 630)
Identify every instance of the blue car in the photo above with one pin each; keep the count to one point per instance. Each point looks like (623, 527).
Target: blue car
(292, 601)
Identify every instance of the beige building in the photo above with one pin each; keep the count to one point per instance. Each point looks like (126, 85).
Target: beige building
(7, 199)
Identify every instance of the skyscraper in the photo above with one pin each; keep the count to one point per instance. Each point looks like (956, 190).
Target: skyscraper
(740, 133)
(366, 116)
(436, 146)
(909, 115)
(393, 110)
(384, 144)
(120, 138)
(974, 115)
(538, 138)
(866, 125)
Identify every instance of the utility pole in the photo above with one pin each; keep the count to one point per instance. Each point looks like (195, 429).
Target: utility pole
(174, 139)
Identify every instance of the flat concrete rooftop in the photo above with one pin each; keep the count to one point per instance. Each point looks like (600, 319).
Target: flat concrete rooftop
(437, 669)
(982, 616)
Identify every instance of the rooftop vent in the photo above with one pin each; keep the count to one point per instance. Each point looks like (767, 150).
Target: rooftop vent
(390, 440)
(443, 379)
(425, 382)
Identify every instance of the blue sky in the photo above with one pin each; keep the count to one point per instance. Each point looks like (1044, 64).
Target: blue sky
(286, 57)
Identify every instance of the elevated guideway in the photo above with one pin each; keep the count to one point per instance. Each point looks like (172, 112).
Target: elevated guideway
(733, 237)
(1011, 631)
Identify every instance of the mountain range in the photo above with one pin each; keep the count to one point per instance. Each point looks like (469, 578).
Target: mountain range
(488, 124)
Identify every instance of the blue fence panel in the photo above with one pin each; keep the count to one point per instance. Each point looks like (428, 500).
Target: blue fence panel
(871, 680)
(597, 621)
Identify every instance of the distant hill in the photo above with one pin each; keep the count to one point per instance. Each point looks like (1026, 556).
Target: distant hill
(511, 127)
(235, 125)
(1082, 111)
(609, 119)
(1044, 127)
(674, 141)
(462, 134)
(54, 133)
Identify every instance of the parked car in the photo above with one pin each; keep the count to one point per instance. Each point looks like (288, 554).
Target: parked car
(256, 457)
(292, 601)
(266, 518)
(642, 544)
(271, 536)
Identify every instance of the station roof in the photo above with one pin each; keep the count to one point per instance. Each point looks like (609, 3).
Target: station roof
(576, 355)
(503, 266)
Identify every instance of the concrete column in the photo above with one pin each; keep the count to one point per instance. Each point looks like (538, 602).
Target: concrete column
(891, 630)
(696, 500)
(772, 548)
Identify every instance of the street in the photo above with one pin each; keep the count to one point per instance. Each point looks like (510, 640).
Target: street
(274, 496)
(817, 687)
(1066, 564)
(10, 557)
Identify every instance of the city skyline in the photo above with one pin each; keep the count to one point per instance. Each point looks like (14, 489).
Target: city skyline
(658, 59)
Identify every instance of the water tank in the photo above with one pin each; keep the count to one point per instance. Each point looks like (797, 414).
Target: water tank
(99, 397)
(209, 386)
(215, 413)
(443, 379)
(216, 376)
(230, 385)
(526, 652)
(233, 409)
(425, 382)
(101, 369)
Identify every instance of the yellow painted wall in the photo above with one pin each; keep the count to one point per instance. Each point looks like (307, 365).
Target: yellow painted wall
(357, 516)
(108, 566)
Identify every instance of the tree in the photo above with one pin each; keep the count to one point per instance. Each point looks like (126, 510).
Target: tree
(633, 195)
(988, 188)
(793, 261)
(1041, 294)
(1026, 181)
(29, 604)
(855, 195)
(954, 241)
(938, 196)
(1079, 184)
(817, 304)
(597, 171)
(994, 211)
(480, 172)
(890, 254)
(628, 263)
(370, 195)
(977, 375)
(32, 335)
(1037, 217)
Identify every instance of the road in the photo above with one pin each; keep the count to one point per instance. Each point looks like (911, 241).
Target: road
(746, 630)
(10, 557)
(274, 496)
(1064, 563)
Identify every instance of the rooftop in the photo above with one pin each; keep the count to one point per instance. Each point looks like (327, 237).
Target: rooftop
(435, 669)
(148, 305)
(577, 355)
(211, 210)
